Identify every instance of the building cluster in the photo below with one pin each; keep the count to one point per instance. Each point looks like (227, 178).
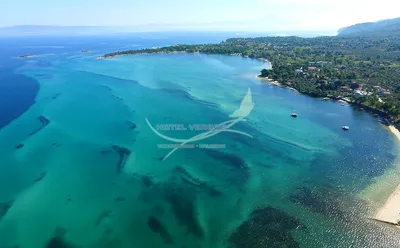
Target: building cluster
(357, 92)
(320, 63)
(381, 90)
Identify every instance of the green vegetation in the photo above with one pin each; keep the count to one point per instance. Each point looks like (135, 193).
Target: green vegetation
(362, 70)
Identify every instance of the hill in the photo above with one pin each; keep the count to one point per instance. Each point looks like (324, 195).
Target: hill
(389, 27)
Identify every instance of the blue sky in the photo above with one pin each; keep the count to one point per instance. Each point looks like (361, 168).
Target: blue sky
(238, 15)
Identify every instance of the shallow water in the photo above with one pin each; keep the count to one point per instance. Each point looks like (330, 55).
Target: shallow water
(82, 167)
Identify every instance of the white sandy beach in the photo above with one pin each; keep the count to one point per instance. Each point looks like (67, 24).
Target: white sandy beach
(390, 210)
(271, 81)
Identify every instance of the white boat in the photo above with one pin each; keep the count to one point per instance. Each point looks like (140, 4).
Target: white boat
(346, 128)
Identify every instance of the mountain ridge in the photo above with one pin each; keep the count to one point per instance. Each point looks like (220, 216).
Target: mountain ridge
(385, 27)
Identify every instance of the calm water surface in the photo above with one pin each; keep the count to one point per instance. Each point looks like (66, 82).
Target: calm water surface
(80, 166)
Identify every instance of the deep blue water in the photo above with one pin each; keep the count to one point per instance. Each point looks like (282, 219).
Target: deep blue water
(17, 92)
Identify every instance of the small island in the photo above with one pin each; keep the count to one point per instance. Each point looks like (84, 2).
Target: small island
(27, 56)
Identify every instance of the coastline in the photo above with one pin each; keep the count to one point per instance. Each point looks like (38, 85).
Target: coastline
(343, 100)
(178, 52)
(275, 83)
(390, 210)
(139, 53)
(271, 81)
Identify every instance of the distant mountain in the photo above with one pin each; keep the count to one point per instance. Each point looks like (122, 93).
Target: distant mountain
(50, 30)
(380, 28)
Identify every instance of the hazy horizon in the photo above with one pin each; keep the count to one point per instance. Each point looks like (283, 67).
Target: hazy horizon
(196, 15)
(39, 30)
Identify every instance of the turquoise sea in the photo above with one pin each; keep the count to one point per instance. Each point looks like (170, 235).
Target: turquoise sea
(80, 166)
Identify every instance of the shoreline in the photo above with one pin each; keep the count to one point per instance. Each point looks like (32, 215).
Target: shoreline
(140, 53)
(271, 81)
(342, 100)
(182, 52)
(389, 211)
(276, 83)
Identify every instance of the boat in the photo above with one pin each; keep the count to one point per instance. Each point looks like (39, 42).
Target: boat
(294, 115)
(345, 128)
(383, 121)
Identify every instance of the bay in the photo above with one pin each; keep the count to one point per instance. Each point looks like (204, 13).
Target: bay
(90, 171)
